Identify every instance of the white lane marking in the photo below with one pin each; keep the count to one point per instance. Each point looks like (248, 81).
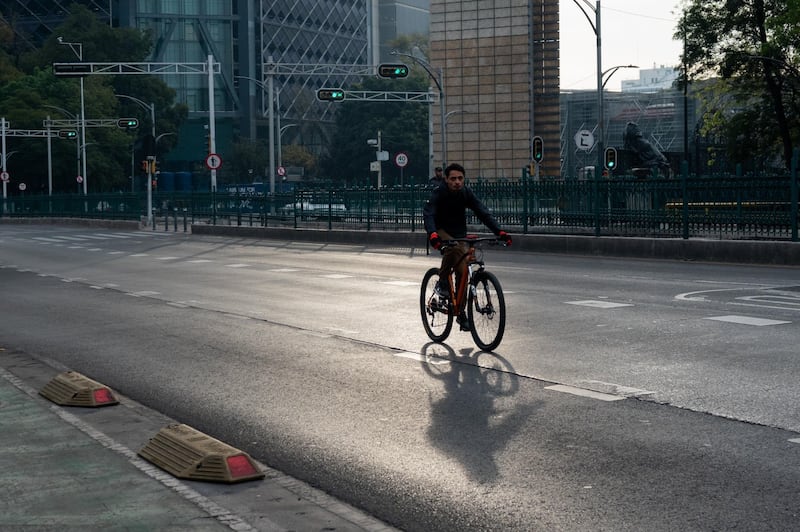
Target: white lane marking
(139, 255)
(112, 235)
(794, 440)
(338, 330)
(613, 389)
(421, 358)
(73, 238)
(747, 320)
(167, 258)
(198, 261)
(45, 239)
(143, 293)
(95, 249)
(95, 287)
(598, 304)
(237, 265)
(584, 393)
(400, 283)
(93, 237)
(336, 276)
(116, 252)
(285, 270)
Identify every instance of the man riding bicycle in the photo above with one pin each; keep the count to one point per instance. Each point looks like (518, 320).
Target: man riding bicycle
(445, 217)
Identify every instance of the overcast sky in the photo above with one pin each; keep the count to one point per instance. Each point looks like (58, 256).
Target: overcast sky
(633, 32)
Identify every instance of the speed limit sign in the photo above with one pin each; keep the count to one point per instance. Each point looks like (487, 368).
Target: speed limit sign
(401, 159)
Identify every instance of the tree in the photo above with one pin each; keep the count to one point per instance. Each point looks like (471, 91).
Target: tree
(403, 127)
(29, 93)
(751, 46)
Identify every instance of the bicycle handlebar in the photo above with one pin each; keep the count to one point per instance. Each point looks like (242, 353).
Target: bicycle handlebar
(493, 240)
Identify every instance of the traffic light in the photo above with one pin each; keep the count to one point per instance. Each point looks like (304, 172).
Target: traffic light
(330, 95)
(145, 166)
(127, 123)
(393, 70)
(71, 70)
(538, 149)
(610, 159)
(67, 134)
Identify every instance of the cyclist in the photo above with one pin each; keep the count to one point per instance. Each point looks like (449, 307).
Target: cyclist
(445, 216)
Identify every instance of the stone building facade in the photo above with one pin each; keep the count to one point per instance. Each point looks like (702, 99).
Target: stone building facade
(499, 61)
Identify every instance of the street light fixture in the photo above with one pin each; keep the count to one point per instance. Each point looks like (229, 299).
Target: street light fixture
(77, 49)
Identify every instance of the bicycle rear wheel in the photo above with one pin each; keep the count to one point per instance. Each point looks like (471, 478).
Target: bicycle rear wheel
(436, 316)
(487, 311)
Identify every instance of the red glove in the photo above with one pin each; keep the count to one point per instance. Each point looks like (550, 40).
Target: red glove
(435, 241)
(505, 237)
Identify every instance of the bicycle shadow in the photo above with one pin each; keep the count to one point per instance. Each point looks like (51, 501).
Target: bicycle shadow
(465, 422)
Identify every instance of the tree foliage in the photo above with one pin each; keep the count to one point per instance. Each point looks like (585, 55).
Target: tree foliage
(30, 93)
(403, 126)
(750, 46)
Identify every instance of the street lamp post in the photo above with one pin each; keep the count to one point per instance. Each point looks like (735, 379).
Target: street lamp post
(439, 81)
(77, 49)
(270, 90)
(280, 142)
(152, 108)
(71, 116)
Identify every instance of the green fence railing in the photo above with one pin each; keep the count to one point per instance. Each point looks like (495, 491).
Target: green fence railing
(683, 207)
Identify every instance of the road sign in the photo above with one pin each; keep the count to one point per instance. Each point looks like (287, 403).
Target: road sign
(281, 171)
(401, 159)
(584, 140)
(4, 176)
(374, 166)
(79, 179)
(22, 186)
(213, 161)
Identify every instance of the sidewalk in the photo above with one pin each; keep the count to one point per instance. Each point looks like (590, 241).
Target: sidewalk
(68, 468)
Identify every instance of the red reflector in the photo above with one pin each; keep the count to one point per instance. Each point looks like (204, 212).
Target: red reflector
(103, 395)
(240, 466)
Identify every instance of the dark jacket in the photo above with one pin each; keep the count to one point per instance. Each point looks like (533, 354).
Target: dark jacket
(447, 211)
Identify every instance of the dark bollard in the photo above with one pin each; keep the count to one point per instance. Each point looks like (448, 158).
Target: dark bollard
(175, 220)
(184, 220)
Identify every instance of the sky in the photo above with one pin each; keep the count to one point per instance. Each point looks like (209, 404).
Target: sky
(633, 32)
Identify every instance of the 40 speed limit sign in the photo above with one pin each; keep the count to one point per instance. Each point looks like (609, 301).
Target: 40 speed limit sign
(401, 159)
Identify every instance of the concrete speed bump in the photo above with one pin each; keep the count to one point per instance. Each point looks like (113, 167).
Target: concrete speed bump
(188, 453)
(73, 389)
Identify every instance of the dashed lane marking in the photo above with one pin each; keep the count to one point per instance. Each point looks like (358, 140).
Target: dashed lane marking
(598, 304)
(584, 393)
(337, 276)
(284, 270)
(198, 261)
(747, 320)
(237, 265)
(400, 283)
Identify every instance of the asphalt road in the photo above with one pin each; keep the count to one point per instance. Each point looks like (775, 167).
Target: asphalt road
(674, 406)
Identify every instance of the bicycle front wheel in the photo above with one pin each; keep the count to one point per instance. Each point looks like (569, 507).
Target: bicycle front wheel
(487, 311)
(436, 316)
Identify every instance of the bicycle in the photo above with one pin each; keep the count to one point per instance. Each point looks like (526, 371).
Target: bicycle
(480, 289)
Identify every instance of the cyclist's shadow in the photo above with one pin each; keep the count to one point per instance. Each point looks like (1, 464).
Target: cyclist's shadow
(465, 422)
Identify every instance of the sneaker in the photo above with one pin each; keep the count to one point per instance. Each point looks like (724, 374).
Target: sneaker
(463, 322)
(441, 290)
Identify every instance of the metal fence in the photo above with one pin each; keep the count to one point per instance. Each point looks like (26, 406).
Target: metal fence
(697, 207)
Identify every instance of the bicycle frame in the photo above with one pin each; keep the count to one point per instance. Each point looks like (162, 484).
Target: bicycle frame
(458, 293)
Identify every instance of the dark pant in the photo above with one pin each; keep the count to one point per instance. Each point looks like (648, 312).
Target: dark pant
(453, 258)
